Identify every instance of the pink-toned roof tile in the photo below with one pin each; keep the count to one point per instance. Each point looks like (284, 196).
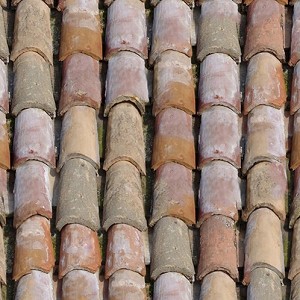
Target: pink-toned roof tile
(4, 51)
(219, 192)
(295, 155)
(218, 29)
(16, 2)
(173, 84)
(264, 29)
(33, 249)
(76, 91)
(295, 90)
(126, 81)
(295, 288)
(264, 246)
(75, 5)
(32, 192)
(295, 253)
(173, 141)
(125, 250)
(265, 82)
(295, 43)
(34, 137)
(219, 83)
(173, 194)
(32, 30)
(126, 28)
(219, 137)
(4, 98)
(171, 28)
(266, 136)
(124, 137)
(4, 143)
(36, 285)
(3, 252)
(123, 200)
(79, 138)
(126, 285)
(218, 251)
(266, 187)
(295, 207)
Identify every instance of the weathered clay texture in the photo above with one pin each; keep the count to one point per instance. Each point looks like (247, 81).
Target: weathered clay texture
(126, 285)
(78, 201)
(76, 91)
(4, 99)
(79, 137)
(4, 51)
(126, 28)
(264, 284)
(219, 137)
(16, 2)
(172, 286)
(219, 192)
(3, 195)
(295, 289)
(123, 200)
(125, 250)
(75, 5)
(32, 84)
(219, 83)
(32, 30)
(218, 285)
(80, 32)
(34, 286)
(173, 83)
(295, 43)
(295, 155)
(295, 207)
(218, 29)
(125, 140)
(3, 3)
(173, 141)
(79, 284)
(79, 250)
(126, 81)
(2, 258)
(265, 82)
(171, 250)
(266, 136)
(218, 250)
(33, 249)
(32, 192)
(4, 143)
(171, 28)
(173, 194)
(34, 137)
(295, 253)
(295, 90)
(263, 243)
(266, 187)
(264, 29)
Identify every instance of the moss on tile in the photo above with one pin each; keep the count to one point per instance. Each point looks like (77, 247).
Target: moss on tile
(101, 126)
(8, 291)
(147, 188)
(148, 129)
(55, 23)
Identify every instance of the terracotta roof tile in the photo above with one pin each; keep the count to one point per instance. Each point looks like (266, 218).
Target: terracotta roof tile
(265, 82)
(125, 70)
(219, 137)
(2, 258)
(32, 192)
(295, 289)
(218, 285)
(264, 29)
(3, 3)
(32, 84)
(34, 137)
(78, 141)
(218, 250)
(173, 194)
(124, 137)
(32, 30)
(125, 250)
(219, 83)
(295, 156)
(76, 91)
(171, 250)
(295, 207)
(295, 257)
(123, 200)
(33, 249)
(173, 84)
(80, 32)
(218, 29)
(4, 143)
(219, 192)
(4, 99)
(295, 93)
(78, 201)
(126, 285)
(295, 42)
(4, 51)
(79, 284)
(173, 143)
(76, 5)
(171, 28)
(264, 246)
(16, 2)
(266, 136)
(35, 285)
(172, 286)
(126, 28)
